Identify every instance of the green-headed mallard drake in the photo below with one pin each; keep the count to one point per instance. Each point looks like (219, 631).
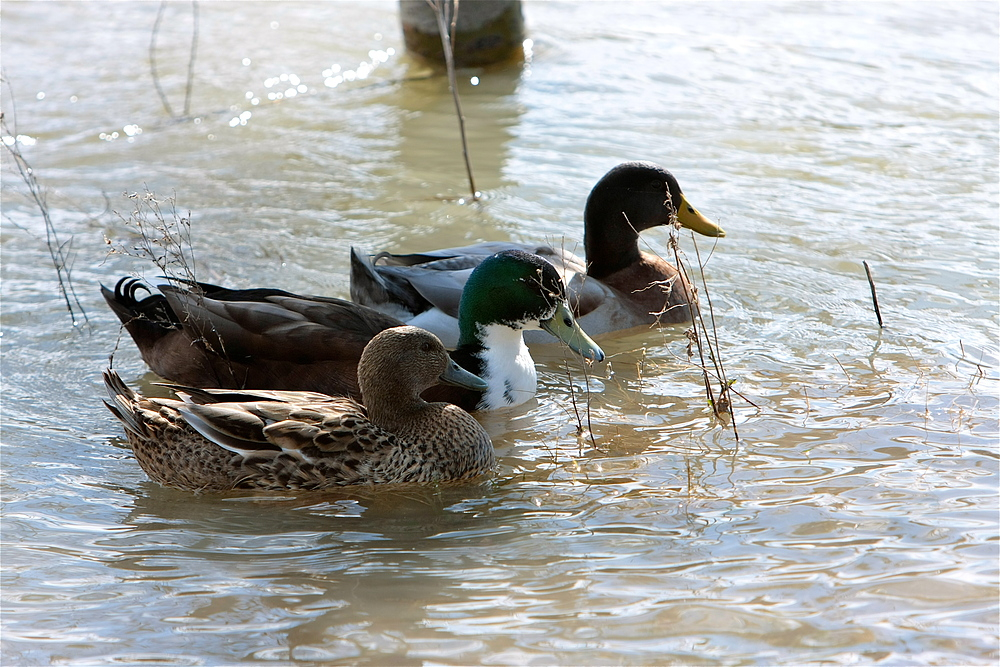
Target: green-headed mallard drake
(209, 336)
(220, 439)
(617, 287)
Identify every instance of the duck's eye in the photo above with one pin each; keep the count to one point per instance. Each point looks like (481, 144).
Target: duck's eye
(568, 321)
(656, 185)
(425, 347)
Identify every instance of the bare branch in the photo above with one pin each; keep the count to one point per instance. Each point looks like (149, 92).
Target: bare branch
(191, 59)
(152, 60)
(59, 251)
(440, 8)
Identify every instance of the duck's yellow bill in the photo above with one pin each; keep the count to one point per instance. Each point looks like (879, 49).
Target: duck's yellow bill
(563, 326)
(689, 217)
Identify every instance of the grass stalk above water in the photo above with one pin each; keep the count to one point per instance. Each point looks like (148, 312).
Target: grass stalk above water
(59, 251)
(703, 337)
(447, 32)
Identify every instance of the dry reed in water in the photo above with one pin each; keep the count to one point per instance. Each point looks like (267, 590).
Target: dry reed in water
(447, 33)
(166, 243)
(871, 283)
(707, 344)
(59, 251)
(190, 69)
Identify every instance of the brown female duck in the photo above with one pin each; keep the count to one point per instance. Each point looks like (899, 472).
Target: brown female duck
(215, 440)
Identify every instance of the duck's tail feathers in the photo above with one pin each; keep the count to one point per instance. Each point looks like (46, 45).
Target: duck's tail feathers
(122, 401)
(383, 290)
(146, 319)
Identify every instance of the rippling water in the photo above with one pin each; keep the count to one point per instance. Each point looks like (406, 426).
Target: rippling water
(855, 521)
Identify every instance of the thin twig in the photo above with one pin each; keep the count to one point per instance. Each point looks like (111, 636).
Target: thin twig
(590, 426)
(191, 59)
(194, 51)
(717, 349)
(871, 283)
(805, 418)
(572, 397)
(165, 243)
(59, 251)
(152, 59)
(440, 8)
(724, 403)
(168, 244)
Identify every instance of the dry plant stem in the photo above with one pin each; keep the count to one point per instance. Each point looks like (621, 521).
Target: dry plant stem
(194, 51)
(167, 243)
(694, 336)
(871, 283)
(843, 369)
(59, 251)
(152, 60)
(980, 368)
(724, 403)
(576, 410)
(190, 73)
(572, 396)
(590, 426)
(715, 348)
(440, 8)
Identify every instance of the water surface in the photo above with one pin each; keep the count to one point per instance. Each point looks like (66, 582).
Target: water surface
(855, 521)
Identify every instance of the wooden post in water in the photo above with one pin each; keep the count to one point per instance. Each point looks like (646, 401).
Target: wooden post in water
(487, 31)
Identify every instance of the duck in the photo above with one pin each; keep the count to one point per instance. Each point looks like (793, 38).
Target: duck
(219, 440)
(617, 287)
(203, 335)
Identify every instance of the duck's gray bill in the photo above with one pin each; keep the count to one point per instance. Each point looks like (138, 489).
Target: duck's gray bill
(459, 377)
(563, 326)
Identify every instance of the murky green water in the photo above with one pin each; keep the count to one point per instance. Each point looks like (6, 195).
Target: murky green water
(856, 520)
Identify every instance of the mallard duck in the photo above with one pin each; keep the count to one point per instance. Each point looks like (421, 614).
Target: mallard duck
(210, 336)
(220, 439)
(617, 287)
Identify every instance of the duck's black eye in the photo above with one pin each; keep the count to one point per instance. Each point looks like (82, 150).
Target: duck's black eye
(568, 321)
(656, 185)
(425, 347)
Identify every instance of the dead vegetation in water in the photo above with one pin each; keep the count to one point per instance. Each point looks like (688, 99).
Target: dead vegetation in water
(163, 240)
(60, 251)
(703, 348)
(189, 85)
(446, 13)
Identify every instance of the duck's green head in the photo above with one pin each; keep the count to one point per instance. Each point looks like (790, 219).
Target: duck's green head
(520, 290)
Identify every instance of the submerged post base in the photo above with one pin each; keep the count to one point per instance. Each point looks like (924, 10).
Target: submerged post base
(487, 31)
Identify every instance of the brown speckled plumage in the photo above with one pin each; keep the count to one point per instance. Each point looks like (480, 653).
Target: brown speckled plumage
(218, 440)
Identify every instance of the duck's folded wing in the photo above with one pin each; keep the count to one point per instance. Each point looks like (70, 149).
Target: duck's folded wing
(585, 294)
(442, 288)
(278, 325)
(304, 430)
(288, 445)
(307, 430)
(463, 253)
(208, 396)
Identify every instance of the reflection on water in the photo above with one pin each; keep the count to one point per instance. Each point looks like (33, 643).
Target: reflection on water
(855, 521)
